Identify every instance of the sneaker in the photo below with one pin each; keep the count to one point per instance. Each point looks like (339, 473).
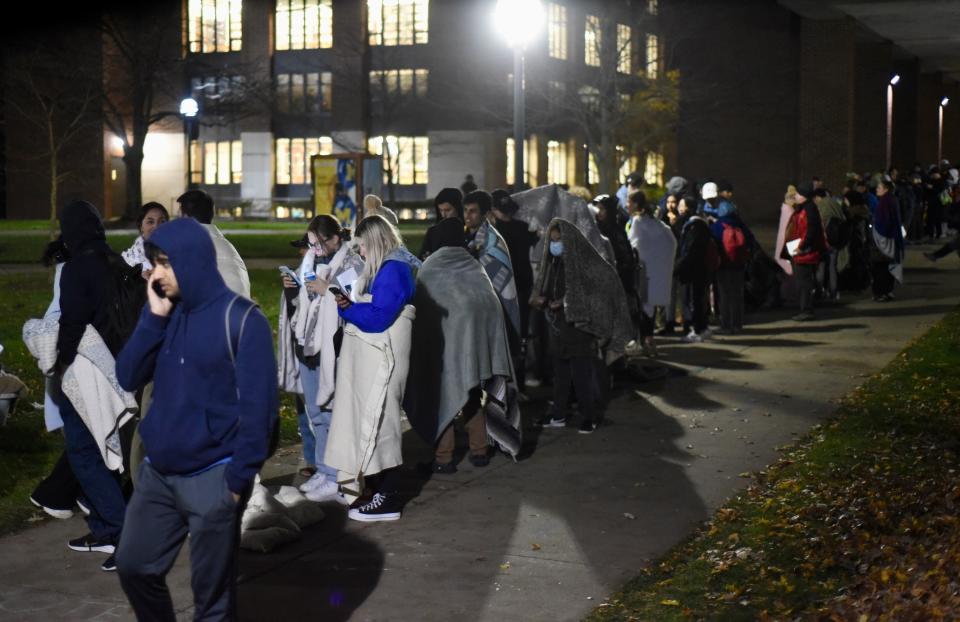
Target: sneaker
(692, 337)
(587, 427)
(380, 508)
(326, 490)
(109, 564)
(89, 544)
(315, 480)
(551, 422)
(447, 468)
(479, 460)
(54, 512)
(84, 507)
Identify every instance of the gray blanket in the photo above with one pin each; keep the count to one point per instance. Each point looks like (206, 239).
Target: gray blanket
(538, 206)
(459, 342)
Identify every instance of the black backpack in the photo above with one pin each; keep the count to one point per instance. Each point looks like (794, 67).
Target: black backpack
(126, 296)
(838, 233)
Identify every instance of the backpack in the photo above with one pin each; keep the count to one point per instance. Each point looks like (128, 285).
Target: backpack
(127, 296)
(234, 320)
(735, 248)
(838, 233)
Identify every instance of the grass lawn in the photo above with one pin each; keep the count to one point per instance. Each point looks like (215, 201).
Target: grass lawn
(26, 248)
(858, 521)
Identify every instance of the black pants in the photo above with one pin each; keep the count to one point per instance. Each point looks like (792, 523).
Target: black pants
(695, 299)
(580, 371)
(163, 510)
(883, 281)
(60, 489)
(806, 275)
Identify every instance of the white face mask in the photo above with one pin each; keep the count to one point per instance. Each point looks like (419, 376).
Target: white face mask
(556, 247)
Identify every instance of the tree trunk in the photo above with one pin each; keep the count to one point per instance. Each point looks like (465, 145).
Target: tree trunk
(133, 158)
(51, 146)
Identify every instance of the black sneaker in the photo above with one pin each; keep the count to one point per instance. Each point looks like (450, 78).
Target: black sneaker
(448, 468)
(479, 460)
(380, 508)
(109, 564)
(89, 544)
(587, 427)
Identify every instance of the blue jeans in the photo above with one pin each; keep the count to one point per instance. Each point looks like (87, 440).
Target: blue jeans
(319, 418)
(99, 484)
(306, 432)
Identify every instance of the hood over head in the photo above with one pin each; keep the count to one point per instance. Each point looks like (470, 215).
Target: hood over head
(676, 185)
(80, 225)
(190, 249)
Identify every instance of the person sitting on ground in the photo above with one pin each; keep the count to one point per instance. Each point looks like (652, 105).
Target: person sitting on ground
(152, 215)
(373, 205)
(312, 322)
(805, 245)
(365, 430)
(587, 309)
(198, 205)
(209, 353)
(448, 205)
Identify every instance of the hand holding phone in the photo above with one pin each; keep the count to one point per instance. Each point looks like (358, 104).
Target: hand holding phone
(290, 274)
(342, 300)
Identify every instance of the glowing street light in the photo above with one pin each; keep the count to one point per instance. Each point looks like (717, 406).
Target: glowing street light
(943, 104)
(519, 23)
(894, 81)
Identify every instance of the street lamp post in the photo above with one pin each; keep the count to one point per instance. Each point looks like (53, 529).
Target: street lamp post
(189, 108)
(940, 111)
(893, 82)
(519, 22)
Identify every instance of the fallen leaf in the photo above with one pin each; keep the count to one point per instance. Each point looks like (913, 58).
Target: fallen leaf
(534, 547)
(669, 602)
(629, 515)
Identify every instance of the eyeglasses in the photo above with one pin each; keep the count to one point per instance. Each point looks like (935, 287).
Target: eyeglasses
(320, 242)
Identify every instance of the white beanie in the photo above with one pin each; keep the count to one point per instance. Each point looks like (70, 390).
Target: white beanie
(709, 190)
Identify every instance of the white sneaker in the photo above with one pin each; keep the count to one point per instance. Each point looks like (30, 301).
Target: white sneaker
(325, 491)
(692, 337)
(315, 480)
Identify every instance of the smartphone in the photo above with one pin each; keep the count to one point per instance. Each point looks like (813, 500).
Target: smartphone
(286, 271)
(336, 291)
(158, 290)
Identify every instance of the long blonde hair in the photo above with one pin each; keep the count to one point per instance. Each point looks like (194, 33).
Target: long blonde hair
(380, 238)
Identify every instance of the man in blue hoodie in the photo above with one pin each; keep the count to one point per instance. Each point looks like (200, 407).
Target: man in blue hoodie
(210, 355)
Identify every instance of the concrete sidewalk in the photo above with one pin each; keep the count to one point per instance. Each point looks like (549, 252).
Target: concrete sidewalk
(549, 537)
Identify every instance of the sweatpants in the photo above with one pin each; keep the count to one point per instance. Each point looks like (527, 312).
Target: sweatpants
(730, 284)
(163, 510)
(580, 371)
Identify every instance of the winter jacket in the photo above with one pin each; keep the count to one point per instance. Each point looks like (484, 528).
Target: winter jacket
(85, 291)
(694, 240)
(805, 224)
(206, 408)
(519, 240)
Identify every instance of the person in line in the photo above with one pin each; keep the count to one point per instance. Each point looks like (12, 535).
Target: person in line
(209, 352)
(805, 231)
(152, 215)
(836, 256)
(734, 240)
(365, 428)
(632, 183)
(290, 381)
(887, 261)
(312, 321)
(373, 205)
(448, 205)
(656, 248)
(586, 309)
(697, 262)
(86, 296)
(520, 241)
(468, 185)
(686, 206)
(198, 205)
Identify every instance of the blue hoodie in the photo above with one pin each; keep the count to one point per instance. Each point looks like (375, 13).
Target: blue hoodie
(197, 418)
(392, 288)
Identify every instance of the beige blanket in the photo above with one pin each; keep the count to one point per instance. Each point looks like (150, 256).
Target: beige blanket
(365, 430)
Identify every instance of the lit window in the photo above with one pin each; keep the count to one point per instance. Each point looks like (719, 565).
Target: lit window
(407, 158)
(653, 7)
(222, 162)
(398, 22)
(557, 32)
(628, 164)
(527, 162)
(214, 26)
(624, 49)
(591, 41)
(403, 82)
(299, 93)
(304, 24)
(556, 162)
(654, 170)
(214, 91)
(653, 57)
(293, 157)
(593, 173)
(590, 96)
